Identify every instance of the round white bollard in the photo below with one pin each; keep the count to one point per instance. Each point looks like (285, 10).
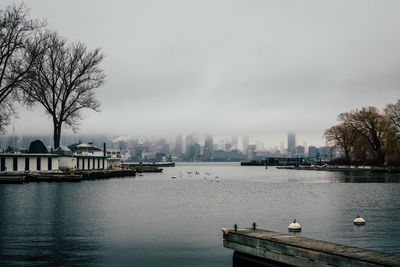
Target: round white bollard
(294, 227)
(359, 221)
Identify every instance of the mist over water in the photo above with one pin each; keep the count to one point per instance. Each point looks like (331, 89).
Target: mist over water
(154, 220)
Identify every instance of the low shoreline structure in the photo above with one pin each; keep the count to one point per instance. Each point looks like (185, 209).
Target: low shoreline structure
(58, 176)
(148, 164)
(253, 163)
(268, 248)
(342, 168)
(147, 169)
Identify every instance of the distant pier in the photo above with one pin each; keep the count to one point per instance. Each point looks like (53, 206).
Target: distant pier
(148, 164)
(266, 248)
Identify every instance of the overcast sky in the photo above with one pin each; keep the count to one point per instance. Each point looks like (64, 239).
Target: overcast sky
(230, 67)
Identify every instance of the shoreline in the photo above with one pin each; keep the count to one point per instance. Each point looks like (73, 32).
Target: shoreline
(54, 176)
(343, 169)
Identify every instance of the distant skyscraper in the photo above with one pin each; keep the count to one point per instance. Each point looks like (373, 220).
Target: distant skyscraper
(178, 145)
(191, 139)
(208, 147)
(235, 142)
(282, 148)
(245, 143)
(291, 143)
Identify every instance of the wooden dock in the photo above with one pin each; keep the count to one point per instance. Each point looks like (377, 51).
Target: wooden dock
(277, 249)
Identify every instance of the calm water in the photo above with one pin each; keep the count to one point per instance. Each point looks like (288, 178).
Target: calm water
(154, 220)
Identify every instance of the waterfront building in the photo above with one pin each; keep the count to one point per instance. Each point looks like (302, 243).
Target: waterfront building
(245, 143)
(82, 156)
(325, 153)
(28, 162)
(233, 155)
(313, 152)
(300, 152)
(38, 158)
(208, 147)
(251, 152)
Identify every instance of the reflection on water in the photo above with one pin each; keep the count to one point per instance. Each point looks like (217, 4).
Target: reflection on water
(155, 220)
(366, 177)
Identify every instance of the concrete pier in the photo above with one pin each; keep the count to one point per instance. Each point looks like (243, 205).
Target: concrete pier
(286, 249)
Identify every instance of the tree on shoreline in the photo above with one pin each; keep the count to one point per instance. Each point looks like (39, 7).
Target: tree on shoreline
(342, 136)
(63, 81)
(392, 112)
(17, 33)
(371, 125)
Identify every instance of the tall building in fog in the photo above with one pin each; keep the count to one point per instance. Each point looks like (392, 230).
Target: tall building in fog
(208, 147)
(178, 145)
(291, 140)
(191, 139)
(245, 143)
(235, 142)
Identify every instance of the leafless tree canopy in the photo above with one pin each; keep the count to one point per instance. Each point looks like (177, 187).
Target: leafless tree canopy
(17, 32)
(368, 135)
(63, 80)
(392, 111)
(343, 137)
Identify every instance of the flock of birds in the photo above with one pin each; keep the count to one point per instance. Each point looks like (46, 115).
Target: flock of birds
(206, 176)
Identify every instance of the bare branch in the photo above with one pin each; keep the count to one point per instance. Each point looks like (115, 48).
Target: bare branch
(17, 32)
(64, 80)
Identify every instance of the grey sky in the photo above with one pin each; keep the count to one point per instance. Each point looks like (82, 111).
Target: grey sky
(256, 67)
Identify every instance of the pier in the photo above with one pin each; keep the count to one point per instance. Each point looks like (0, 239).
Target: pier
(257, 247)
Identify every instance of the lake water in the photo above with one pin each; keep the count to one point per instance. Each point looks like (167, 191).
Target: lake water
(154, 220)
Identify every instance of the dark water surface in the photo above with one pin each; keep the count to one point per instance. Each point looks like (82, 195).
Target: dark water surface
(154, 220)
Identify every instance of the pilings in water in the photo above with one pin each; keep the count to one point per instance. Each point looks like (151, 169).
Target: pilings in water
(262, 248)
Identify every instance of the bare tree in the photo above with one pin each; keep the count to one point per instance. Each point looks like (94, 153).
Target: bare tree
(392, 112)
(342, 136)
(371, 125)
(17, 32)
(64, 81)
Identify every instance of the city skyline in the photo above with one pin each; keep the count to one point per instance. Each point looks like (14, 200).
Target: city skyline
(178, 144)
(248, 67)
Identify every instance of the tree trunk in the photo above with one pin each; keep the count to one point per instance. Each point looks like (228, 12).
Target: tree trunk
(347, 154)
(57, 134)
(380, 157)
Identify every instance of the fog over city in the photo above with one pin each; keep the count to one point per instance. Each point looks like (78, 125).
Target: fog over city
(261, 68)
